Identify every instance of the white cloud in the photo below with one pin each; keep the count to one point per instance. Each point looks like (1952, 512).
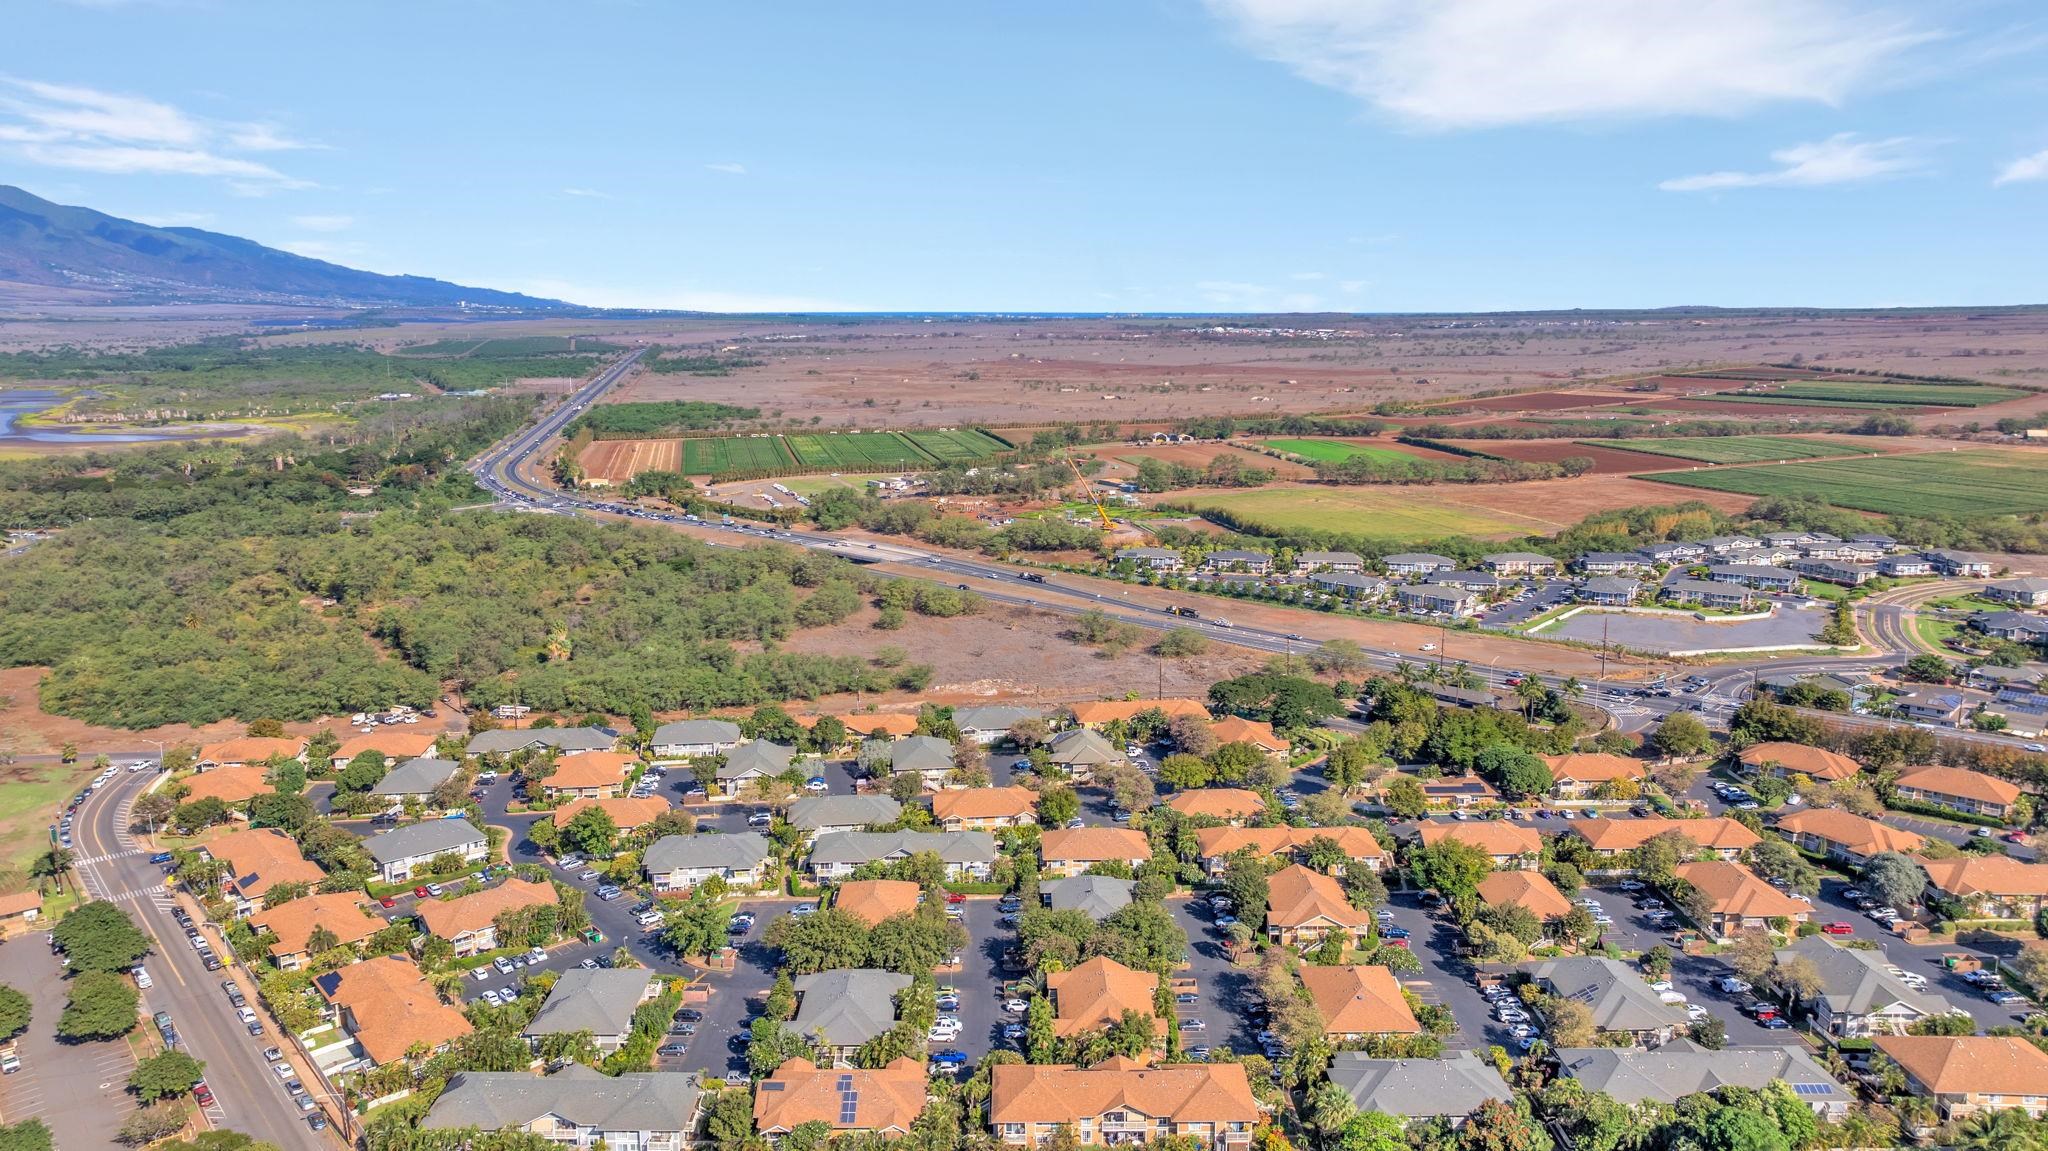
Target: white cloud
(2026, 168)
(1483, 63)
(324, 223)
(729, 169)
(588, 193)
(1839, 159)
(85, 129)
(265, 138)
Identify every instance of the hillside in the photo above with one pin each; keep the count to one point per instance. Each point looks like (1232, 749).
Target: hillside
(72, 253)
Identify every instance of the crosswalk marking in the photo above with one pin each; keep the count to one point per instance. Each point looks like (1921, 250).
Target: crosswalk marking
(90, 859)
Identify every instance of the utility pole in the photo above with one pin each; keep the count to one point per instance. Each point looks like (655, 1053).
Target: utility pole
(1603, 652)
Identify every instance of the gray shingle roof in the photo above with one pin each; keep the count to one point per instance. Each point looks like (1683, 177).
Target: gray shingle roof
(1453, 1086)
(1082, 747)
(1669, 1073)
(857, 847)
(1101, 896)
(847, 1007)
(598, 1000)
(567, 739)
(921, 753)
(493, 1100)
(415, 777)
(996, 717)
(1855, 982)
(1617, 996)
(815, 811)
(757, 758)
(686, 732)
(1411, 558)
(429, 837)
(738, 851)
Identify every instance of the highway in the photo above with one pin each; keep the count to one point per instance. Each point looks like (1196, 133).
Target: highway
(113, 865)
(505, 470)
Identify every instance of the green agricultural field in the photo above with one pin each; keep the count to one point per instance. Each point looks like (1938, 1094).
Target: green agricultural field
(1736, 449)
(1859, 392)
(1335, 451)
(1964, 484)
(1389, 514)
(712, 457)
(957, 445)
(855, 451)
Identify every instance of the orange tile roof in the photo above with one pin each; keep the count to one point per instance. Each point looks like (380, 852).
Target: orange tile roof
(1219, 802)
(1849, 830)
(396, 745)
(1732, 889)
(984, 803)
(1359, 1000)
(1494, 837)
(1961, 783)
(1813, 762)
(1104, 711)
(1525, 889)
(1966, 875)
(1299, 896)
(1718, 833)
(262, 857)
(1097, 993)
(1177, 1092)
(1235, 729)
(590, 769)
(1970, 1064)
(21, 901)
(393, 1006)
(1594, 767)
(873, 900)
(293, 923)
(1094, 844)
(448, 918)
(627, 812)
(1357, 842)
(230, 785)
(887, 1098)
(891, 724)
(252, 749)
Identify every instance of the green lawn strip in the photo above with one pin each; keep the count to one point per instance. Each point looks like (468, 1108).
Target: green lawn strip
(1334, 451)
(1925, 485)
(35, 793)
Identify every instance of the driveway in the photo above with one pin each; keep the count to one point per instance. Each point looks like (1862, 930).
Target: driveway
(1228, 993)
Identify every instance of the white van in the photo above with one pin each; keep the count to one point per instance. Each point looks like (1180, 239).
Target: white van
(142, 978)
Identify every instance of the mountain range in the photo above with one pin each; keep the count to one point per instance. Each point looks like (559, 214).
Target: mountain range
(55, 253)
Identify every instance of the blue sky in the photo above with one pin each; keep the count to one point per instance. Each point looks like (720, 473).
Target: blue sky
(1130, 155)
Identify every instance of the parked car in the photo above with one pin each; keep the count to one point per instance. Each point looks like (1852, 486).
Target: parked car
(1839, 928)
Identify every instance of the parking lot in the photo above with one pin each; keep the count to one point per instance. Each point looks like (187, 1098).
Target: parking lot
(78, 1090)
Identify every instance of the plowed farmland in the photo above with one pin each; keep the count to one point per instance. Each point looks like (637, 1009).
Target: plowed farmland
(618, 461)
(1606, 461)
(1537, 402)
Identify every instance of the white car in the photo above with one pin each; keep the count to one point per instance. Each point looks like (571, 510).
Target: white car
(1016, 1006)
(142, 978)
(1732, 985)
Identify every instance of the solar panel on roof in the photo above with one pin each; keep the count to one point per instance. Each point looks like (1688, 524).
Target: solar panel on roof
(1813, 1089)
(848, 1113)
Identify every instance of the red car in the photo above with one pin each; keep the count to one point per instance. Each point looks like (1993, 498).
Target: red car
(1839, 928)
(1400, 943)
(955, 897)
(2015, 837)
(420, 891)
(388, 901)
(203, 1093)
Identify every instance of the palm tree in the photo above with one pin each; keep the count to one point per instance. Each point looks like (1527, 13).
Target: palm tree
(52, 865)
(1998, 1131)
(1571, 687)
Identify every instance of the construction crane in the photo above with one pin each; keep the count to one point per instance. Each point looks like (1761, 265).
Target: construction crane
(1088, 493)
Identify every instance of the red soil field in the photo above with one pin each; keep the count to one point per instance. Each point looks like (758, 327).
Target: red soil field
(1538, 402)
(1606, 461)
(618, 461)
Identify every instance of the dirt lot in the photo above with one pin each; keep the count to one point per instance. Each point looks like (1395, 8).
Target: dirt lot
(1779, 411)
(1551, 505)
(617, 461)
(1014, 653)
(1538, 402)
(1198, 456)
(1606, 461)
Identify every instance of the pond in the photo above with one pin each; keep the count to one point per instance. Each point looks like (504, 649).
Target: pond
(15, 405)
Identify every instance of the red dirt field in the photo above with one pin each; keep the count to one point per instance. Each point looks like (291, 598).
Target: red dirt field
(618, 461)
(1606, 461)
(1538, 402)
(1558, 504)
(1199, 455)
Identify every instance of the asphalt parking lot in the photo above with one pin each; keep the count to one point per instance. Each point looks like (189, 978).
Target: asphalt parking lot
(76, 1089)
(1541, 599)
(1228, 993)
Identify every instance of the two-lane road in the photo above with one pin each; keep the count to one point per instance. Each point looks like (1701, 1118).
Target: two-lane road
(114, 865)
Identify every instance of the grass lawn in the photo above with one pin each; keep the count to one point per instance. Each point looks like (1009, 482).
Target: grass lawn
(1332, 451)
(1934, 631)
(1389, 514)
(1815, 589)
(35, 793)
